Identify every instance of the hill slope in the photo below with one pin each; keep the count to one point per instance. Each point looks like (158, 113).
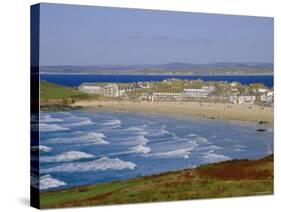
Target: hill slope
(224, 179)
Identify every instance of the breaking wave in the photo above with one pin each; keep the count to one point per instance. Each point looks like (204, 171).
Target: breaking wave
(66, 157)
(89, 138)
(52, 128)
(41, 148)
(179, 153)
(112, 123)
(79, 124)
(47, 181)
(139, 140)
(101, 164)
(48, 119)
(140, 149)
(211, 157)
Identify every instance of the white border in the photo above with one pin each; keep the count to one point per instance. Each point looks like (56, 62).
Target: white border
(15, 102)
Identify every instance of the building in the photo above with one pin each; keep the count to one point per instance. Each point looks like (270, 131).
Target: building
(146, 97)
(90, 88)
(242, 99)
(125, 88)
(163, 96)
(195, 93)
(208, 88)
(110, 90)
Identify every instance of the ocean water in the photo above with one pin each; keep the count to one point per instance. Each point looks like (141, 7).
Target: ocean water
(80, 148)
(75, 80)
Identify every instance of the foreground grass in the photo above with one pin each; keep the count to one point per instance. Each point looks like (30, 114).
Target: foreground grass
(225, 179)
(51, 91)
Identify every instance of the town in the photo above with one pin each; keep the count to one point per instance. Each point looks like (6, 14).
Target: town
(183, 90)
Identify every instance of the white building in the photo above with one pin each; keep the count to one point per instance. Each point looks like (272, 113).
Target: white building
(242, 99)
(246, 99)
(262, 90)
(110, 90)
(195, 93)
(208, 88)
(163, 96)
(146, 97)
(90, 88)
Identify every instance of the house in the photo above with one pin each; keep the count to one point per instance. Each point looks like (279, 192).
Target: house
(266, 97)
(146, 97)
(110, 90)
(262, 90)
(195, 93)
(208, 88)
(163, 96)
(242, 99)
(90, 88)
(246, 99)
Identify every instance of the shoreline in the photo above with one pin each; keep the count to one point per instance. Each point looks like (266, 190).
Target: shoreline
(217, 111)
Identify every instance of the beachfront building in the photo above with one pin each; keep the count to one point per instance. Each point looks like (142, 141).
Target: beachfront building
(90, 88)
(242, 99)
(165, 96)
(125, 88)
(198, 93)
(195, 93)
(110, 90)
(267, 97)
(146, 97)
(209, 89)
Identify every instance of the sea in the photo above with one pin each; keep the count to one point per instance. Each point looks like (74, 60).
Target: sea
(81, 148)
(74, 80)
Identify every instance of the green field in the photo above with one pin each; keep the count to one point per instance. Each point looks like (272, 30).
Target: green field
(51, 91)
(224, 179)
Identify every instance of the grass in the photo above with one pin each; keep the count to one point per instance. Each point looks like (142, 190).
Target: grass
(51, 91)
(224, 179)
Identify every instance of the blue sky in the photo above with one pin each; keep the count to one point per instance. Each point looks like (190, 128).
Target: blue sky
(87, 35)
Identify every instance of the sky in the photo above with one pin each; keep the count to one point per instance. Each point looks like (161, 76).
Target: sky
(88, 35)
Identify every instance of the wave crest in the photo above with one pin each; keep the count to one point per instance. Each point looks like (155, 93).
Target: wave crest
(52, 128)
(66, 157)
(47, 181)
(101, 164)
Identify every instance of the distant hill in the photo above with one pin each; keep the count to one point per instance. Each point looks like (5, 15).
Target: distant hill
(170, 69)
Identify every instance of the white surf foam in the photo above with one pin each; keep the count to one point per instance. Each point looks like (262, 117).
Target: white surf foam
(136, 128)
(211, 157)
(96, 138)
(66, 157)
(48, 181)
(89, 138)
(112, 123)
(51, 128)
(209, 147)
(140, 149)
(162, 131)
(178, 153)
(41, 148)
(101, 164)
(139, 140)
(79, 124)
(48, 119)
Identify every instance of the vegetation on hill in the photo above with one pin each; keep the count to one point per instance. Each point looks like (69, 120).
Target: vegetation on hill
(52, 91)
(224, 179)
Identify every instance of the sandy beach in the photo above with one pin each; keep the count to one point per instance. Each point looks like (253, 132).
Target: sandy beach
(223, 111)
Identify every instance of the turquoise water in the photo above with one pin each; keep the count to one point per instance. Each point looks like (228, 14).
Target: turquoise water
(79, 148)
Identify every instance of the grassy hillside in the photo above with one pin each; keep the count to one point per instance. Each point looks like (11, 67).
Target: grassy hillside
(225, 179)
(50, 91)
